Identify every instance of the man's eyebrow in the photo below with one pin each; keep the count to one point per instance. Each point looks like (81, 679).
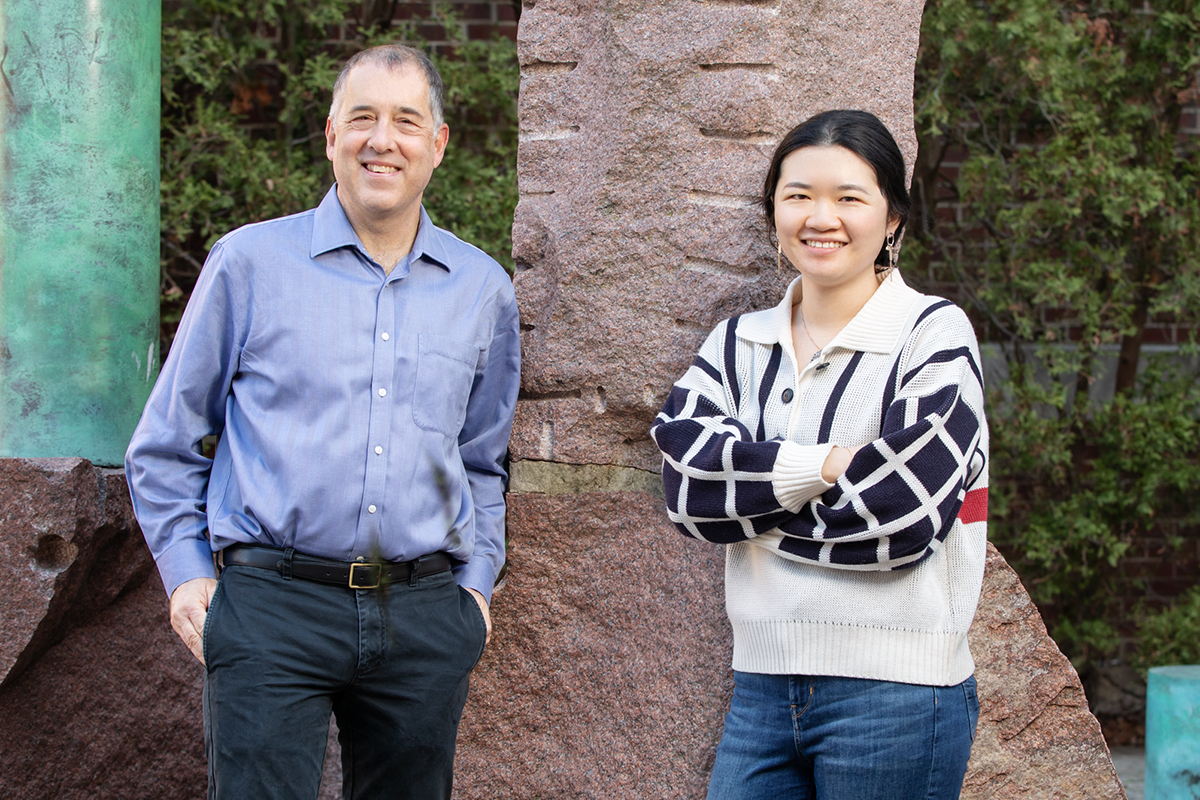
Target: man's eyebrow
(416, 112)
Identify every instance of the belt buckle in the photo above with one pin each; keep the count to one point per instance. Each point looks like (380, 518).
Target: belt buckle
(373, 582)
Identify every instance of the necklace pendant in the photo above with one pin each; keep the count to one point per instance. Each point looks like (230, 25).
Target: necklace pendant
(815, 356)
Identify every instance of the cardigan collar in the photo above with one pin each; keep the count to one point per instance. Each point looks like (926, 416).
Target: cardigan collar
(876, 328)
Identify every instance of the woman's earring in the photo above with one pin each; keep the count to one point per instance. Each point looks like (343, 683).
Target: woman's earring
(779, 256)
(891, 246)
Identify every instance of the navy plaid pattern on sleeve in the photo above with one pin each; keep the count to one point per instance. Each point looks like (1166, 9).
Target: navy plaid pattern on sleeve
(903, 491)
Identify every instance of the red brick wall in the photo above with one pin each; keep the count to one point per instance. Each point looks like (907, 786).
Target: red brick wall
(477, 20)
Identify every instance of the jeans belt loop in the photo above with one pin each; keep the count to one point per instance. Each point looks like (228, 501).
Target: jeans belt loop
(285, 568)
(416, 571)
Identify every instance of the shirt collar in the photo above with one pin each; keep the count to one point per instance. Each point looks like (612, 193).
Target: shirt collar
(430, 243)
(331, 230)
(876, 328)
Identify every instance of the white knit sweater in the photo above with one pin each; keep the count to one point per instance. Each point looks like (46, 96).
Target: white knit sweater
(875, 576)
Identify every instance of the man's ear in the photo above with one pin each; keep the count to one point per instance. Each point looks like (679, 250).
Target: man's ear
(330, 135)
(439, 144)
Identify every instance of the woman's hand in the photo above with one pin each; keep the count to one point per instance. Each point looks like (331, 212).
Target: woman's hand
(837, 462)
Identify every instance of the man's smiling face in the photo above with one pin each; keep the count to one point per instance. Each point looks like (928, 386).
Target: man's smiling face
(384, 143)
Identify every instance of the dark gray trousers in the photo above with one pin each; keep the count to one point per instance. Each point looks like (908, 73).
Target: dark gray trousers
(390, 663)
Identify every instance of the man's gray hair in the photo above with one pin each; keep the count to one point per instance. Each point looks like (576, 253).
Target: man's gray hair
(394, 56)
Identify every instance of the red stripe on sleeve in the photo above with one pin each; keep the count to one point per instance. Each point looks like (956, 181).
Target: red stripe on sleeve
(974, 507)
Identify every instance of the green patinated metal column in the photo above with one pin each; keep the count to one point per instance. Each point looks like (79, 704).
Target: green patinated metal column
(79, 133)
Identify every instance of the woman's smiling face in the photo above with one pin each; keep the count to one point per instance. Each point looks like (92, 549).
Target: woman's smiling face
(830, 216)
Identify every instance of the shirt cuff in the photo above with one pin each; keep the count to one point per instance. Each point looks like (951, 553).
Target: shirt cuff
(797, 474)
(477, 574)
(191, 558)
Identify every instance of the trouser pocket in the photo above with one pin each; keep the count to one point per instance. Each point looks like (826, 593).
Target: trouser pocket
(474, 614)
(208, 620)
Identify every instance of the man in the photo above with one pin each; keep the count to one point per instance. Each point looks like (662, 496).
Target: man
(361, 368)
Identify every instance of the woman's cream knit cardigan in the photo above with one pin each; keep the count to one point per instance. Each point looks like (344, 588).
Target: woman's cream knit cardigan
(874, 576)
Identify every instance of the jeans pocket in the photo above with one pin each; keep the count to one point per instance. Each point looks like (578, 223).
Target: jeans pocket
(972, 698)
(475, 614)
(208, 618)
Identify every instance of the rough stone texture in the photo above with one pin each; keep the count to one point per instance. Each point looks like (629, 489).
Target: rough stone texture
(608, 673)
(110, 713)
(646, 128)
(69, 546)
(1036, 737)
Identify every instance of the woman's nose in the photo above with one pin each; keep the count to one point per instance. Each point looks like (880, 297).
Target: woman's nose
(823, 216)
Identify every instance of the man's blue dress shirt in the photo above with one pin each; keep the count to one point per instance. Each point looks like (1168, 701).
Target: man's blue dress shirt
(359, 414)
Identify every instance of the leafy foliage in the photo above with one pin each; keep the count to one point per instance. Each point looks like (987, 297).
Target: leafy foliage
(1080, 225)
(246, 90)
(1169, 636)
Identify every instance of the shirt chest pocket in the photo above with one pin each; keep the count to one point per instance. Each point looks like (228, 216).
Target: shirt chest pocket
(445, 372)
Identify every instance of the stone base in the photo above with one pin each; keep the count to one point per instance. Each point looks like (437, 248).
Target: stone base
(98, 697)
(607, 677)
(69, 546)
(110, 713)
(1036, 736)
(608, 673)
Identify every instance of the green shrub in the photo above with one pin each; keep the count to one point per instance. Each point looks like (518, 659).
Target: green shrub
(1079, 227)
(1171, 635)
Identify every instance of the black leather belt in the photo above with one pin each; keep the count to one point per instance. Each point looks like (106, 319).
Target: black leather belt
(355, 574)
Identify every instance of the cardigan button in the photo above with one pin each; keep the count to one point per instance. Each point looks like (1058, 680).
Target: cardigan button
(787, 396)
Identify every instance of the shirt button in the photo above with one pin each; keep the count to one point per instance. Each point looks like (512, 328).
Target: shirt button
(378, 450)
(370, 509)
(383, 392)
(385, 336)
(787, 396)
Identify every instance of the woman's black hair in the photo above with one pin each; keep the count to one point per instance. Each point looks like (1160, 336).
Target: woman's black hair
(861, 133)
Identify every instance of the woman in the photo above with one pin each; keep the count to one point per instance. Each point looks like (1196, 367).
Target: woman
(837, 445)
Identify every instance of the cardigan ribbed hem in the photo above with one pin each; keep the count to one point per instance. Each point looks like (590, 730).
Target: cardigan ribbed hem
(797, 474)
(800, 647)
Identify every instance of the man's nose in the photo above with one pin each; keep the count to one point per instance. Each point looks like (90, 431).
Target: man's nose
(381, 136)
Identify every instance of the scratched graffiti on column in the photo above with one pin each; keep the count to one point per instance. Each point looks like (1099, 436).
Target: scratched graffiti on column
(78, 226)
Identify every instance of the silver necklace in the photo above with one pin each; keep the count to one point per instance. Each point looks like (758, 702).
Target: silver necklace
(804, 325)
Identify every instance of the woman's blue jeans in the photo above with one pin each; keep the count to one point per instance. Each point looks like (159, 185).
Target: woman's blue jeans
(827, 738)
